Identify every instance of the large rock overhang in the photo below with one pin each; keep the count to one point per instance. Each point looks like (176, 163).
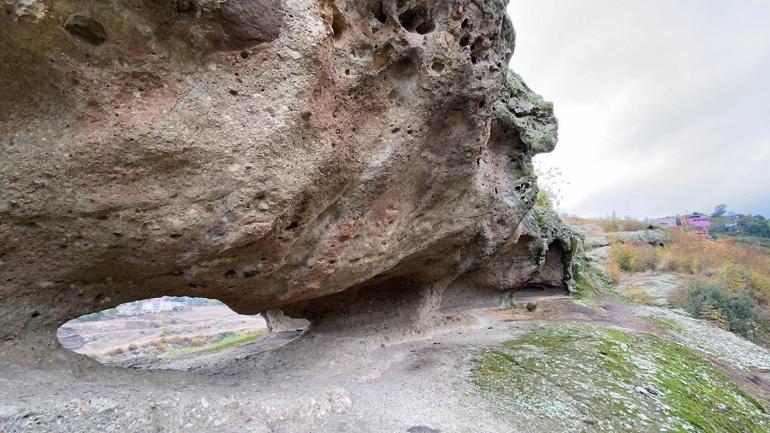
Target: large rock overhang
(269, 154)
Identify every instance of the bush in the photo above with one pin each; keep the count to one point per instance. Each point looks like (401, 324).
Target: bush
(734, 277)
(634, 258)
(623, 256)
(733, 266)
(542, 199)
(710, 302)
(640, 295)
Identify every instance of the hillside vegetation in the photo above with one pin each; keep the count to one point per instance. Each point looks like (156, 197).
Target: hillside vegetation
(730, 281)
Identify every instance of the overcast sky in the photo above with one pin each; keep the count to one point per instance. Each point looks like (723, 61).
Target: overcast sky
(663, 105)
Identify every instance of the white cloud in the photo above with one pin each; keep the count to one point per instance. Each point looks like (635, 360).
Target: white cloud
(663, 106)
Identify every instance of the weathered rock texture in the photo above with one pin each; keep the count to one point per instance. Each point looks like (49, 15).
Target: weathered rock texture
(329, 158)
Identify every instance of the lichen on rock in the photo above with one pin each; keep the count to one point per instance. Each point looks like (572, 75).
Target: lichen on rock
(576, 376)
(527, 112)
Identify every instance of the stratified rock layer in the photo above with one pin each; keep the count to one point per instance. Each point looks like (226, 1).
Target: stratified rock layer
(314, 156)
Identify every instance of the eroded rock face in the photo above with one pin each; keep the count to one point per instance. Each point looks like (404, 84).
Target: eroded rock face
(308, 155)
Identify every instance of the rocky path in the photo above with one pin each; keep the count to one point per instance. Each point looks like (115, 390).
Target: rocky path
(297, 382)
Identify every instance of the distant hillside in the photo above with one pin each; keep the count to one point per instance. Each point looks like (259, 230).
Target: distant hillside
(740, 225)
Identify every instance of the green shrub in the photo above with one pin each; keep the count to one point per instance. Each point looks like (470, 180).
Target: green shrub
(634, 258)
(707, 301)
(542, 199)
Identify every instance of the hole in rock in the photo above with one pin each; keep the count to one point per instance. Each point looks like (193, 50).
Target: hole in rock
(378, 10)
(162, 333)
(339, 27)
(417, 20)
(86, 28)
(185, 7)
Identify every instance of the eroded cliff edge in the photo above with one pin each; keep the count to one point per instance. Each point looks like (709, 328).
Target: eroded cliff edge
(330, 158)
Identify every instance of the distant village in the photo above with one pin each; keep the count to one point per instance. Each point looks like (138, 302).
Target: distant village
(163, 304)
(696, 222)
(152, 306)
(719, 222)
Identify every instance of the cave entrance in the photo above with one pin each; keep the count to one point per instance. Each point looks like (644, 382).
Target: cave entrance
(153, 333)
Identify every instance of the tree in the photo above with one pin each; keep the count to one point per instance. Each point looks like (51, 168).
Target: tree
(720, 210)
(753, 226)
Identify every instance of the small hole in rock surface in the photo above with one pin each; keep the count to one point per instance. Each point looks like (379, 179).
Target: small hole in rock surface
(233, 92)
(339, 26)
(244, 55)
(378, 10)
(426, 27)
(184, 7)
(34, 314)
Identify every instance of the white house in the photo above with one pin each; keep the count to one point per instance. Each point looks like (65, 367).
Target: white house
(158, 305)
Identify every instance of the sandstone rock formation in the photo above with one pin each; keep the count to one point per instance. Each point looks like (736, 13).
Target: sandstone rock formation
(330, 158)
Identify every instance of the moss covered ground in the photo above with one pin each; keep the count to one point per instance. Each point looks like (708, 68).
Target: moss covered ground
(584, 378)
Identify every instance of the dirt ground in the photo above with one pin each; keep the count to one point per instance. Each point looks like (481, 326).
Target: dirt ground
(335, 382)
(349, 380)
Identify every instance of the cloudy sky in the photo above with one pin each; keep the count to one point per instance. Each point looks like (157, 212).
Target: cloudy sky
(664, 106)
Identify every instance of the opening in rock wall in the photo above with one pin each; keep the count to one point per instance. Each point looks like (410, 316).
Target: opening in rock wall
(152, 333)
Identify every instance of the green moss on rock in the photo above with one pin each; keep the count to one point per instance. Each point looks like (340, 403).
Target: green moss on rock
(528, 113)
(587, 378)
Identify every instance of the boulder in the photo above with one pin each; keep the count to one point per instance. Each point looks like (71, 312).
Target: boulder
(319, 157)
(69, 338)
(653, 236)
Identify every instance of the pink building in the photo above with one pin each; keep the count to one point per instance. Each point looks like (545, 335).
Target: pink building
(701, 223)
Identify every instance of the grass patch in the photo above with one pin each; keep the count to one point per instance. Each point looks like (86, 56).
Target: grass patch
(666, 323)
(226, 342)
(566, 377)
(634, 258)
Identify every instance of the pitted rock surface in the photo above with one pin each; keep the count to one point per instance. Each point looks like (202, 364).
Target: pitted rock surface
(318, 157)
